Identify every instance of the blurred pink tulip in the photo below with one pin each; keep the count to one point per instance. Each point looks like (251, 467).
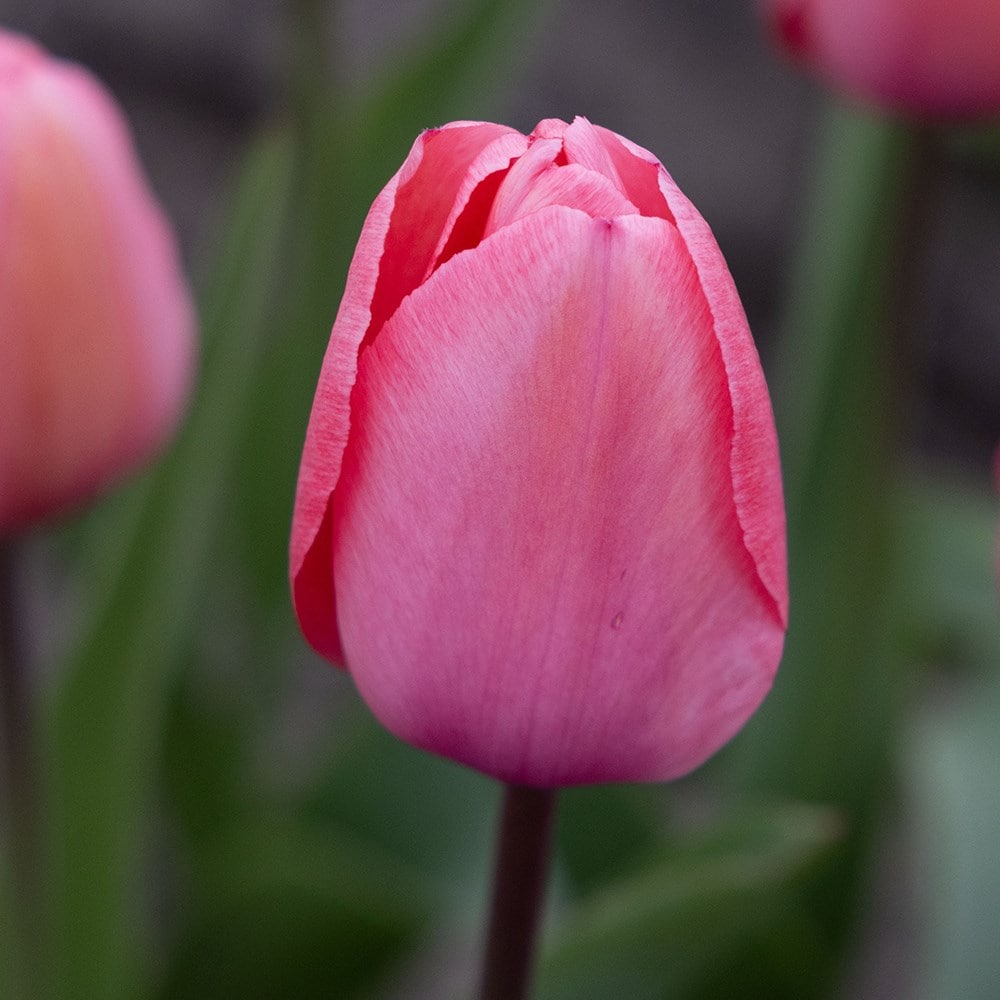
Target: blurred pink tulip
(96, 323)
(539, 513)
(930, 58)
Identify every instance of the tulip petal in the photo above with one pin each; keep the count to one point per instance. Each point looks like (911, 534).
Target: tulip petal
(425, 205)
(582, 144)
(756, 467)
(536, 181)
(755, 463)
(395, 251)
(467, 221)
(639, 171)
(537, 501)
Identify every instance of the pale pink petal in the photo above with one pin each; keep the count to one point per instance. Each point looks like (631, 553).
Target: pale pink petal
(549, 128)
(520, 179)
(326, 435)
(536, 551)
(536, 182)
(395, 251)
(582, 144)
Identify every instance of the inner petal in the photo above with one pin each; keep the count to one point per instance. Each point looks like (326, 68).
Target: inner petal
(537, 181)
(639, 172)
(582, 143)
(467, 220)
(422, 210)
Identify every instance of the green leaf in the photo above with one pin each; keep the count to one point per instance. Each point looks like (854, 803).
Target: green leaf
(655, 934)
(206, 739)
(348, 153)
(436, 816)
(607, 831)
(825, 732)
(949, 602)
(105, 723)
(952, 764)
(452, 75)
(293, 911)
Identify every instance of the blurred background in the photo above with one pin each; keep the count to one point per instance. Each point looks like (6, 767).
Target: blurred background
(227, 819)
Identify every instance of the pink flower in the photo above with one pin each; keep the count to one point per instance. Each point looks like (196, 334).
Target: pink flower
(96, 324)
(539, 514)
(932, 58)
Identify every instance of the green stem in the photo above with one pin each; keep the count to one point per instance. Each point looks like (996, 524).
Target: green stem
(522, 867)
(20, 781)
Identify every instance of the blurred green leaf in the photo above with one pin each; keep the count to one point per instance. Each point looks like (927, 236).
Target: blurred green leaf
(348, 153)
(954, 750)
(203, 738)
(978, 145)
(436, 816)
(452, 75)
(653, 935)
(825, 733)
(948, 569)
(290, 911)
(607, 831)
(105, 724)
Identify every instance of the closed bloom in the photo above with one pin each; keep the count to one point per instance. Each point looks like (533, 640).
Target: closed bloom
(930, 58)
(539, 513)
(96, 324)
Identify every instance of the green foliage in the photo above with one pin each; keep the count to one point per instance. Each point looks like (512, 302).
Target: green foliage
(396, 798)
(825, 733)
(656, 933)
(954, 747)
(110, 703)
(286, 909)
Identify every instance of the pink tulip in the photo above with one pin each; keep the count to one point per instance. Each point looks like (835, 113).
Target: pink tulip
(539, 514)
(96, 324)
(932, 58)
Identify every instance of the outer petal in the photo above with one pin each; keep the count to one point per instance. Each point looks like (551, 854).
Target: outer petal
(756, 466)
(537, 502)
(402, 236)
(754, 459)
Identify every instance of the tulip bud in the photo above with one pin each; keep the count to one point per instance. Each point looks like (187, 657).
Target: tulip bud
(929, 58)
(96, 323)
(539, 514)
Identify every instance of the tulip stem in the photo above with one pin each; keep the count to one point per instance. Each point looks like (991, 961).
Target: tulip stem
(20, 785)
(522, 867)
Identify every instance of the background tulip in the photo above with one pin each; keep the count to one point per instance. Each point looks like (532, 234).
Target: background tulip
(927, 57)
(539, 512)
(96, 323)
